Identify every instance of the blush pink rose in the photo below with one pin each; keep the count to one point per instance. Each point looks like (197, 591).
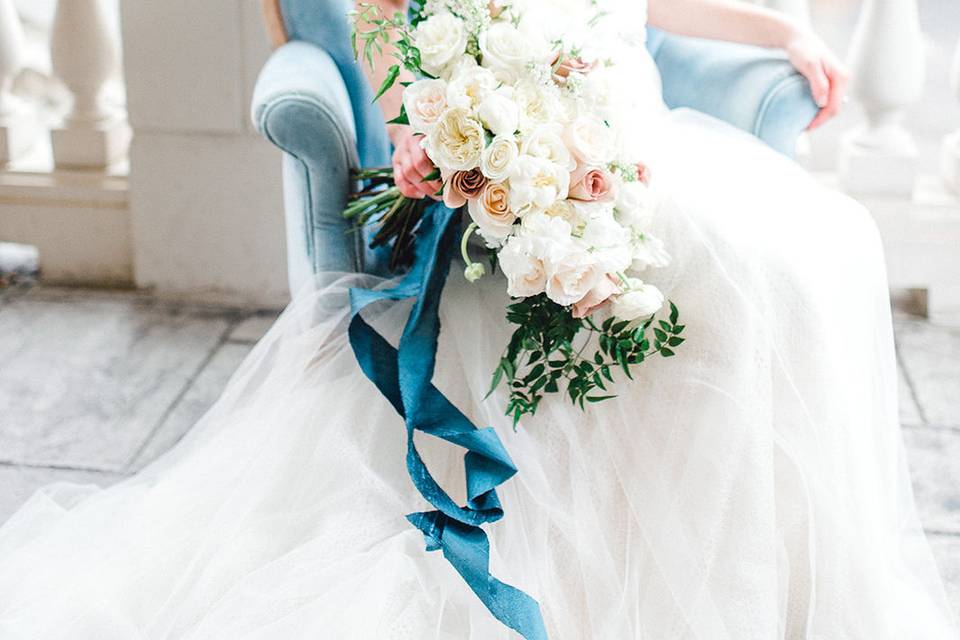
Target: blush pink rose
(643, 173)
(591, 184)
(563, 67)
(463, 186)
(596, 298)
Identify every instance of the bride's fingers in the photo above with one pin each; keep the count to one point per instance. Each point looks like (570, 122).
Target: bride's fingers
(838, 80)
(814, 72)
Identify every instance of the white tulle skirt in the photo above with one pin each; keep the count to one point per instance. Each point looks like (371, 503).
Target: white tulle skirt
(753, 487)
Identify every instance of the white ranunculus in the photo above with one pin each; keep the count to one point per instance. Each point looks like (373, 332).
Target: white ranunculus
(648, 251)
(456, 141)
(638, 302)
(538, 104)
(497, 159)
(591, 141)
(635, 205)
(499, 112)
(441, 39)
(609, 241)
(572, 274)
(535, 184)
(525, 272)
(547, 232)
(469, 87)
(425, 101)
(547, 142)
(506, 51)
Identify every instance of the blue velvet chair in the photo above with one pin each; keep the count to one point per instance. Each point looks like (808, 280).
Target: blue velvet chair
(306, 98)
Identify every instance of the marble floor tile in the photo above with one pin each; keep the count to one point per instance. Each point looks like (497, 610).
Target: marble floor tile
(84, 381)
(253, 328)
(931, 360)
(18, 484)
(201, 395)
(909, 411)
(934, 458)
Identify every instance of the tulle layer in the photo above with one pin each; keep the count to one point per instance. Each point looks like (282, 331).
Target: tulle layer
(753, 487)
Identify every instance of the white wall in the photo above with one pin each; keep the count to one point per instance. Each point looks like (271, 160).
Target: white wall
(205, 192)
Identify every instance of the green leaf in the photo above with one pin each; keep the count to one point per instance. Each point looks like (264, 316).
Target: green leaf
(666, 353)
(598, 358)
(497, 377)
(674, 313)
(605, 370)
(665, 325)
(678, 328)
(661, 336)
(535, 373)
(433, 175)
(675, 341)
(599, 398)
(402, 118)
(388, 82)
(620, 326)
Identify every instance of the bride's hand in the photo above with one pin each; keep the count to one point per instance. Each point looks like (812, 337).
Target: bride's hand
(827, 76)
(411, 165)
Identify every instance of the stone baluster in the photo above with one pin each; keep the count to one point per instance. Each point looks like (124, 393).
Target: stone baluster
(799, 9)
(85, 53)
(887, 63)
(13, 142)
(950, 155)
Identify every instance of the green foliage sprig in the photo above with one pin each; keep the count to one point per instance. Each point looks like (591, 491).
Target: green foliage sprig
(372, 30)
(543, 355)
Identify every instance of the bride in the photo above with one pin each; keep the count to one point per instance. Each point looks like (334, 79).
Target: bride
(753, 487)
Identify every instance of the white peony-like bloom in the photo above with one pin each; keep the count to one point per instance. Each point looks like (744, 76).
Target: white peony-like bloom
(638, 302)
(546, 142)
(497, 159)
(536, 183)
(591, 141)
(635, 205)
(648, 251)
(524, 269)
(499, 112)
(538, 104)
(469, 87)
(425, 101)
(456, 141)
(547, 231)
(571, 274)
(441, 39)
(609, 241)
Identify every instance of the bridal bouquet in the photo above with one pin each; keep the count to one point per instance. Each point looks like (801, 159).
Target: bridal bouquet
(524, 130)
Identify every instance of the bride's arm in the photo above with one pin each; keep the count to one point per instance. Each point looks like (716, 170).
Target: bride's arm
(738, 22)
(410, 163)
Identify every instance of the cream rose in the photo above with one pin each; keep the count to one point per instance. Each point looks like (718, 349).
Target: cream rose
(571, 275)
(425, 101)
(506, 51)
(499, 113)
(526, 275)
(497, 159)
(546, 142)
(638, 302)
(441, 39)
(491, 211)
(591, 141)
(456, 141)
(535, 184)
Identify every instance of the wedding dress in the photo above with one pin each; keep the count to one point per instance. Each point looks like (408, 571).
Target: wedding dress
(753, 487)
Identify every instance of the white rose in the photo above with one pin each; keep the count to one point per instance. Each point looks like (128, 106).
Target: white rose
(535, 184)
(591, 141)
(538, 104)
(441, 39)
(639, 301)
(506, 51)
(497, 159)
(546, 142)
(648, 251)
(469, 87)
(610, 243)
(635, 204)
(425, 101)
(525, 272)
(499, 113)
(547, 232)
(456, 141)
(572, 274)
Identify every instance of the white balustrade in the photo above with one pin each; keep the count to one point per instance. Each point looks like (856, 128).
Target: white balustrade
(950, 155)
(887, 62)
(799, 9)
(85, 53)
(15, 129)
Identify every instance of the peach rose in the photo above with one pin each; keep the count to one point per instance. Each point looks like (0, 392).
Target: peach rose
(596, 298)
(463, 186)
(491, 211)
(590, 184)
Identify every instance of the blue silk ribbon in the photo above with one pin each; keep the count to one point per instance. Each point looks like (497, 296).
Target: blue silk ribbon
(404, 377)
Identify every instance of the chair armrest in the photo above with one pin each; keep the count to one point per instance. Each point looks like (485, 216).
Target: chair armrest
(300, 104)
(752, 88)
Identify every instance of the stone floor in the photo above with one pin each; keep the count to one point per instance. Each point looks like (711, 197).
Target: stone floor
(93, 385)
